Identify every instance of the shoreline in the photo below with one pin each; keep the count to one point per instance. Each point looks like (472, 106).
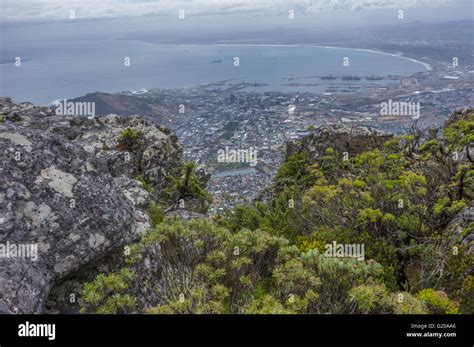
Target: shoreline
(427, 66)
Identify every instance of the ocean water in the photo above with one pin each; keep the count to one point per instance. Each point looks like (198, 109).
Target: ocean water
(54, 70)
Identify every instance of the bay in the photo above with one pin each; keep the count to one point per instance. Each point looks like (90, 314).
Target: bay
(66, 69)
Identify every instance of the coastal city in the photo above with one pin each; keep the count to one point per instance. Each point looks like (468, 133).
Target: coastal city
(235, 116)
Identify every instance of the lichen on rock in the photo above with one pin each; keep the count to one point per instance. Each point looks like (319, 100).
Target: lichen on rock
(66, 187)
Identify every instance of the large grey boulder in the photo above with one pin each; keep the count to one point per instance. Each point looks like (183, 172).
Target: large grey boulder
(67, 189)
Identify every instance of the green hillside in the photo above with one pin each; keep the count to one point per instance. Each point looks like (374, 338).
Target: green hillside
(406, 204)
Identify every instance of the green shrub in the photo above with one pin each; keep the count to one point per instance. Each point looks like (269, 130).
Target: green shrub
(147, 186)
(370, 298)
(267, 305)
(156, 213)
(188, 187)
(129, 139)
(437, 302)
(108, 294)
(405, 303)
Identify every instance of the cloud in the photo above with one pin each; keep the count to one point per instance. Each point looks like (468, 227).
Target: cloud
(48, 10)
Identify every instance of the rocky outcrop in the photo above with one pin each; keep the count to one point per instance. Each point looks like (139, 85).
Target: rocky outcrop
(353, 140)
(462, 228)
(460, 114)
(68, 193)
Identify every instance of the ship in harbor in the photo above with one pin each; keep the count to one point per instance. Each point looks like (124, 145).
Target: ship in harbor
(351, 78)
(330, 77)
(374, 78)
(217, 61)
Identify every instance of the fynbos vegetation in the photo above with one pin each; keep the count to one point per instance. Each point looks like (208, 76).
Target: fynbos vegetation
(399, 200)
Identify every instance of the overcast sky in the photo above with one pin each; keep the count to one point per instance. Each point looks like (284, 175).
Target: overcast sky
(50, 10)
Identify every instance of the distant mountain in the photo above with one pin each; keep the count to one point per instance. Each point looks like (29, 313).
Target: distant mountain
(121, 104)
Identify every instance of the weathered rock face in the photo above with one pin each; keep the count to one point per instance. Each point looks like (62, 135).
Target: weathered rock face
(460, 114)
(353, 140)
(462, 227)
(67, 189)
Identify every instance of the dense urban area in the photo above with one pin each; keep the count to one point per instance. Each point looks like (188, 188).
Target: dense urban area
(236, 116)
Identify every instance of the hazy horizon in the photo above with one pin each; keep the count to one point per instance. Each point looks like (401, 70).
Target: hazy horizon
(232, 13)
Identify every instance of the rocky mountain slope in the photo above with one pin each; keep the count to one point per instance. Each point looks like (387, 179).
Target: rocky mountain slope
(406, 201)
(352, 140)
(67, 187)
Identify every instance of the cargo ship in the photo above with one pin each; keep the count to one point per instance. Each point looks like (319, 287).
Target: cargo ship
(216, 61)
(374, 78)
(351, 78)
(330, 77)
